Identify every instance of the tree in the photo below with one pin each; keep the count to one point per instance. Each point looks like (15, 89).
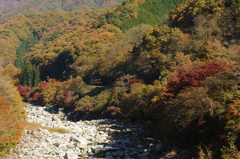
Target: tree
(192, 74)
(226, 23)
(12, 72)
(30, 75)
(189, 115)
(12, 115)
(204, 27)
(233, 4)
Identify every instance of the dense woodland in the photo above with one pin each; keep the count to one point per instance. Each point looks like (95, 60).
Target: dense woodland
(12, 114)
(172, 64)
(16, 8)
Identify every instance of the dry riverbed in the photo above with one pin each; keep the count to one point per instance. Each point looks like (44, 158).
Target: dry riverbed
(50, 136)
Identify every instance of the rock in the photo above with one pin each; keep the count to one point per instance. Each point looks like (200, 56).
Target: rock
(71, 155)
(140, 146)
(109, 157)
(118, 154)
(43, 144)
(63, 147)
(29, 132)
(54, 118)
(81, 140)
(44, 131)
(103, 138)
(143, 155)
(71, 146)
(101, 132)
(99, 149)
(149, 140)
(171, 154)
(61, 153)
(159, 148)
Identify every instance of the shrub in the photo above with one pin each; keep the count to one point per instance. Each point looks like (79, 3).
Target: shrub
(12, 114)
(24, 91)
(192, 115)
(85, 104)
(11, 126)
(222, 87)
(59, 93)
(230, 151)
(113, 110)
(192, 74)
(141, 102)
(50, 92)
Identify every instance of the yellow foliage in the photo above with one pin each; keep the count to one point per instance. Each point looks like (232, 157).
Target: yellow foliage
(180, 59)
(11, 127)
(233, 109)
(13, 72)
(12, 114)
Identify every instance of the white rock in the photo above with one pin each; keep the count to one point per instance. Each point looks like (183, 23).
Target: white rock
(71, 155)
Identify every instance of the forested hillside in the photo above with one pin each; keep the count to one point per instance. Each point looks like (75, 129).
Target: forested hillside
(9, 4)
(42, 6)
(173, 65)
(12, 114)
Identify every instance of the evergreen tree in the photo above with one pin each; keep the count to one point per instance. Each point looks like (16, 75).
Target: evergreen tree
(30, 75)
(26, 44)
(36, 75)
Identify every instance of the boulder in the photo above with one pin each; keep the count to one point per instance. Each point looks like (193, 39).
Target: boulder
(71, 155)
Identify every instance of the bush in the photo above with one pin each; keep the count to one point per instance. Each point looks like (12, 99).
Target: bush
(192, 117)
(24, 91)
(192, 74)
(12, 115)
(141, 102)
(230, 151)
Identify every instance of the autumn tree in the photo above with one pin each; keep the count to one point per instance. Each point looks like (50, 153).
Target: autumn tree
(12, 72)
(205, 27)
(124, 82)
(233, 4)
(188, 116)
(12, 114)
(192, 74)
(118, 54)
(183, 15)
(156, 52)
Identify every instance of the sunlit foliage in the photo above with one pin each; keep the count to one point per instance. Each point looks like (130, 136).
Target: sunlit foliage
(12, 114)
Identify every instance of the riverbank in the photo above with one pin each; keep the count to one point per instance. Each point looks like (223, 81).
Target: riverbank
(55, 137)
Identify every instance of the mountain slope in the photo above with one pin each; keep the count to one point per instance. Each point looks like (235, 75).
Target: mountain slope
(18, 36)
(36, 6)
(182, 77)
(9, 4)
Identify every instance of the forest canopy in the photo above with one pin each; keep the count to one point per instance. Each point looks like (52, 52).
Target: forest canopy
(171, 64)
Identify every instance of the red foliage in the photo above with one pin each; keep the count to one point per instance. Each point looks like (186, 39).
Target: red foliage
(201, 122)
(36, 97)
(52, 80)
(223, 137)
(66, 97)
(131, 83)
(43, 85)
(24, 90)
(192, 75)
(113, 109)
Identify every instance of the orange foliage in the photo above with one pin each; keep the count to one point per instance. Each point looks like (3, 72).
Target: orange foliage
(10, 127)
(192, 74)
(233, 109)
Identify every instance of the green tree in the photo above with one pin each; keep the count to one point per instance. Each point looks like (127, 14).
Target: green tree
(23, 49)
(30, 75)
(233, 4)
